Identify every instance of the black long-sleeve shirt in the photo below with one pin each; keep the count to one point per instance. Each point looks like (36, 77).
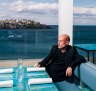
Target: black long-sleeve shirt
(57, 62)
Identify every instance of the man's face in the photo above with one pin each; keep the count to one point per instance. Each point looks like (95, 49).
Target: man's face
(62, 42)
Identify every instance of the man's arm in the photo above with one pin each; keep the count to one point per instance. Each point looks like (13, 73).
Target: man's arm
(77, 59)
(45, 61)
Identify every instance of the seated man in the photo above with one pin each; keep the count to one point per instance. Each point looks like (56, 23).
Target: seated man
(62, 60)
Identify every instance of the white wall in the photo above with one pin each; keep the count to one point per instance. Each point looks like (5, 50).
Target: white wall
(66, 18)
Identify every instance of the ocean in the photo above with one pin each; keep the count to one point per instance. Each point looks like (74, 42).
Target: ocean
(36, 43)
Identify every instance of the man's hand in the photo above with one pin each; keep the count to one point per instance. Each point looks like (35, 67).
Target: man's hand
(37, 65)
(69, 71)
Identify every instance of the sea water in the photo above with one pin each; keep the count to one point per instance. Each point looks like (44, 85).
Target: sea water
(36, 43)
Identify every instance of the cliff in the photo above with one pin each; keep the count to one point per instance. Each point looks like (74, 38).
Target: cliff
(21, 24)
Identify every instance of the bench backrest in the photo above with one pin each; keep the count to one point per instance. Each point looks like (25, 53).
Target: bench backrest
(86, 72)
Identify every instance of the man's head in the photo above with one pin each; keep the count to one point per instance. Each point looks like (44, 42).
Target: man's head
(63, 41)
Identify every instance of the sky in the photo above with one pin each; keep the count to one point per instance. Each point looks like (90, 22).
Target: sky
(84, 12)
(43, 11)
(46, 11)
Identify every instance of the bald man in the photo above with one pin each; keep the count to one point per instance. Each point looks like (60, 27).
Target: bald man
(62, 60)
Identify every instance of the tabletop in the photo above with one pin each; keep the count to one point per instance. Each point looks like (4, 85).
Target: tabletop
(27, 75)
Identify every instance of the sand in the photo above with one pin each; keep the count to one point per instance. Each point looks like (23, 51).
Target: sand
(13, 63)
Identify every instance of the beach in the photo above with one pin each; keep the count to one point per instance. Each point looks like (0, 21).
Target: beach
(13, 63)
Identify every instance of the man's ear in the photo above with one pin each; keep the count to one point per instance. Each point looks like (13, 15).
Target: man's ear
(67, 42)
